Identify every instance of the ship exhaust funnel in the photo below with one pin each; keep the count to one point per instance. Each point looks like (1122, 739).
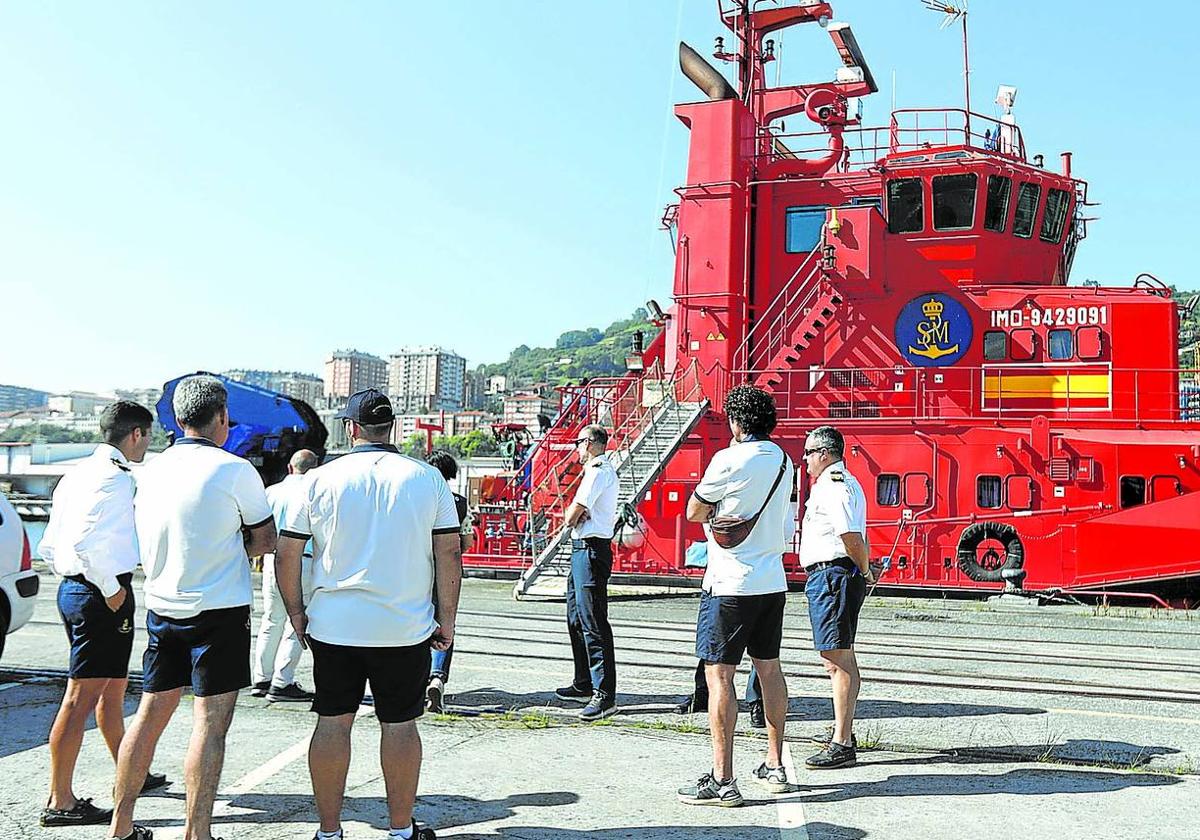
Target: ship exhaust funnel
(703, 75)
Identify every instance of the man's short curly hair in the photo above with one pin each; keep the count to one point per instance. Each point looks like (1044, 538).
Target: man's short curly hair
(752, 408)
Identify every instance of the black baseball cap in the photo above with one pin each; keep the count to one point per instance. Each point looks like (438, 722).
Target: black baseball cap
(370, 408)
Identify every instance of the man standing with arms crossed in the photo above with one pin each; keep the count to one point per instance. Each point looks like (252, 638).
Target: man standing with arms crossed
(384, 529)
(200, 511)
(91, 543)
(833, 551)
(592, 518)
(277, 650)
(744, 590)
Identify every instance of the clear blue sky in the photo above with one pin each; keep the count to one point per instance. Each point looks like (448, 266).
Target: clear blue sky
(252, 185)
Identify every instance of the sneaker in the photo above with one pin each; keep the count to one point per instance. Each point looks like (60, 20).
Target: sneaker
(573, 692)
(773, 778)
(833, 756)
(260, 689)
(153, 781)
(434, 693)
(758, 718)
(83, 812)
(289, 694)
(140, 832)
(422, 832)
(600, 707)
(692, 704)
(708, 791)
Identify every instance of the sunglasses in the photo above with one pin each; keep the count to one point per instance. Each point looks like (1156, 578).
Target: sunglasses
(808, 452)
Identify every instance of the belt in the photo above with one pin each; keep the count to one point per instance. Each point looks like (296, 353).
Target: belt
(124, 578)
(839, 562)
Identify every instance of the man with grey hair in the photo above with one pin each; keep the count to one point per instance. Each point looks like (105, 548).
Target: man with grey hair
(833, 551)
(200, 513)
(277, 649)
(592, 518)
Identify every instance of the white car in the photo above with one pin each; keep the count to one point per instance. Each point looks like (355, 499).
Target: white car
(18, 581)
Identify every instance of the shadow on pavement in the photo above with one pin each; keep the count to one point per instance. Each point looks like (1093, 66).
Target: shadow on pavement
(37, 704)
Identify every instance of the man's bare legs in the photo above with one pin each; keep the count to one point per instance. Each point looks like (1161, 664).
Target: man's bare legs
(400, 758)
(775, 703)
(136, 754)
(66, 736)
(328, 763)
(843, 672)
(110, 715)
(722, 716)
(205, 758)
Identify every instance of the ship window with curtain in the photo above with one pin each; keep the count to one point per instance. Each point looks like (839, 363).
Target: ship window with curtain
(1062, 345)
(995, 345)
(988, 491)
(887, 490)
(954, 201)
(1028, 196)
(905, 205)
(804, 228)
(1055, 218)
(995, 214)
(1133, 491)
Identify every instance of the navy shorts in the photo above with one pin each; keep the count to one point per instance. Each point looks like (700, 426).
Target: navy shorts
(101, 640)
(731, 625)
(398, 677)
(835, 597)
(209, 651)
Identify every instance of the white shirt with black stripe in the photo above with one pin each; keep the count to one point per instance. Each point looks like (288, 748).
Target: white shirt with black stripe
(192, 502)
(372, 515)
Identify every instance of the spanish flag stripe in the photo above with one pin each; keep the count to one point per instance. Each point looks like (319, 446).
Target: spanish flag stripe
(1055, 385)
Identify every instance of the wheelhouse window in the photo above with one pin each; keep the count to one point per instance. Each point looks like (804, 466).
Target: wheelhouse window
(995, 213)
(995, 345)
(804, 228)
(954, 201)
(1028, 196)
(1055, 218)
(988, 491)
(887, 490)
(1133, 491)
(905, 205)
(1061, 345)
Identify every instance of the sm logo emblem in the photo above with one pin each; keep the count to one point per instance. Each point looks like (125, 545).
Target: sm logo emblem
(933, 330)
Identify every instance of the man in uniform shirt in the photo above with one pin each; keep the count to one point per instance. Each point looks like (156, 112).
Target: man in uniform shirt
(277, 649)
(592, 518)
(91, 544)
(384, 532)
(744, 590)
(833, 551)
(200, 512)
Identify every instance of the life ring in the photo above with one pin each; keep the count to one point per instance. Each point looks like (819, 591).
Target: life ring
(990, 567)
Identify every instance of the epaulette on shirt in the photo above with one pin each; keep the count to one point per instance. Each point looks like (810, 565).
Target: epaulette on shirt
(837, 475)
(120, 466)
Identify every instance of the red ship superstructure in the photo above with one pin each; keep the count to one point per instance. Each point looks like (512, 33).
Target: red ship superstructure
(907, 284)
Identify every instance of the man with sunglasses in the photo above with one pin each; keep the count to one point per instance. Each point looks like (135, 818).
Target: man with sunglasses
(833, 551)
(592, 518)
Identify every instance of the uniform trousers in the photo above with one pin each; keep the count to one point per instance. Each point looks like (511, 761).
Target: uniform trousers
(277, 650)
(587, 615)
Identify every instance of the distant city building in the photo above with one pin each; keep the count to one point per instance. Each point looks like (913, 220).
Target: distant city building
(15, 398)
(460, 423)
(79, 403)
(525, 408)
(303, 386)
(476, 388)
(496, 384)
(422, 379)
(350, 371)
(147, 397)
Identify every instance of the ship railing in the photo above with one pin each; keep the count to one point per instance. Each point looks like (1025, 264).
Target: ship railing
(1080, 391)
(772, 327)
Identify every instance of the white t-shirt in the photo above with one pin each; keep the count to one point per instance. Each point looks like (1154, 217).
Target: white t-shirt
(285, 495)
(372, 515)
(597, 492)
(835, 506)
(192, 503)
(736, 482)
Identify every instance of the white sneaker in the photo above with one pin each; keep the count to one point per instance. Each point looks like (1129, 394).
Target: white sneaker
(773, 779)
(434, 693)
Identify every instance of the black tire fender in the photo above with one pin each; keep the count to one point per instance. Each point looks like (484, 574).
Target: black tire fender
(974, 535)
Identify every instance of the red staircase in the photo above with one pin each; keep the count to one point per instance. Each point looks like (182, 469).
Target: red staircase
(810, 321)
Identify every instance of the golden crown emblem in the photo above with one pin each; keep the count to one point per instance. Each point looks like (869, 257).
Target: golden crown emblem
(932, 307)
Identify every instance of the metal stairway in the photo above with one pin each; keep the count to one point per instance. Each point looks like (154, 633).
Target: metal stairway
(638, 464)
(809, 323)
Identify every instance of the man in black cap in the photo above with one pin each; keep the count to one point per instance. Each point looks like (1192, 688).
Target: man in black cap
(384, 528)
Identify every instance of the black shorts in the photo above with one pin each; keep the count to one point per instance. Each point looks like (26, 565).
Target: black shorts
(398, 677)
(101, 640)
(730, 625)
(835, 598)
(209, 651)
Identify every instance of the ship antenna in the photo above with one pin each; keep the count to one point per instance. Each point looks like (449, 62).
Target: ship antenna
(957, 10)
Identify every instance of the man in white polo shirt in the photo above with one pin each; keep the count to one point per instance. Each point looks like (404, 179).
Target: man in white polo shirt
(200, 512)
(381, 525)
(745, 590)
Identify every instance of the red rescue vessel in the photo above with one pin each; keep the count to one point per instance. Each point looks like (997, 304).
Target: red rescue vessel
(908, 284)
